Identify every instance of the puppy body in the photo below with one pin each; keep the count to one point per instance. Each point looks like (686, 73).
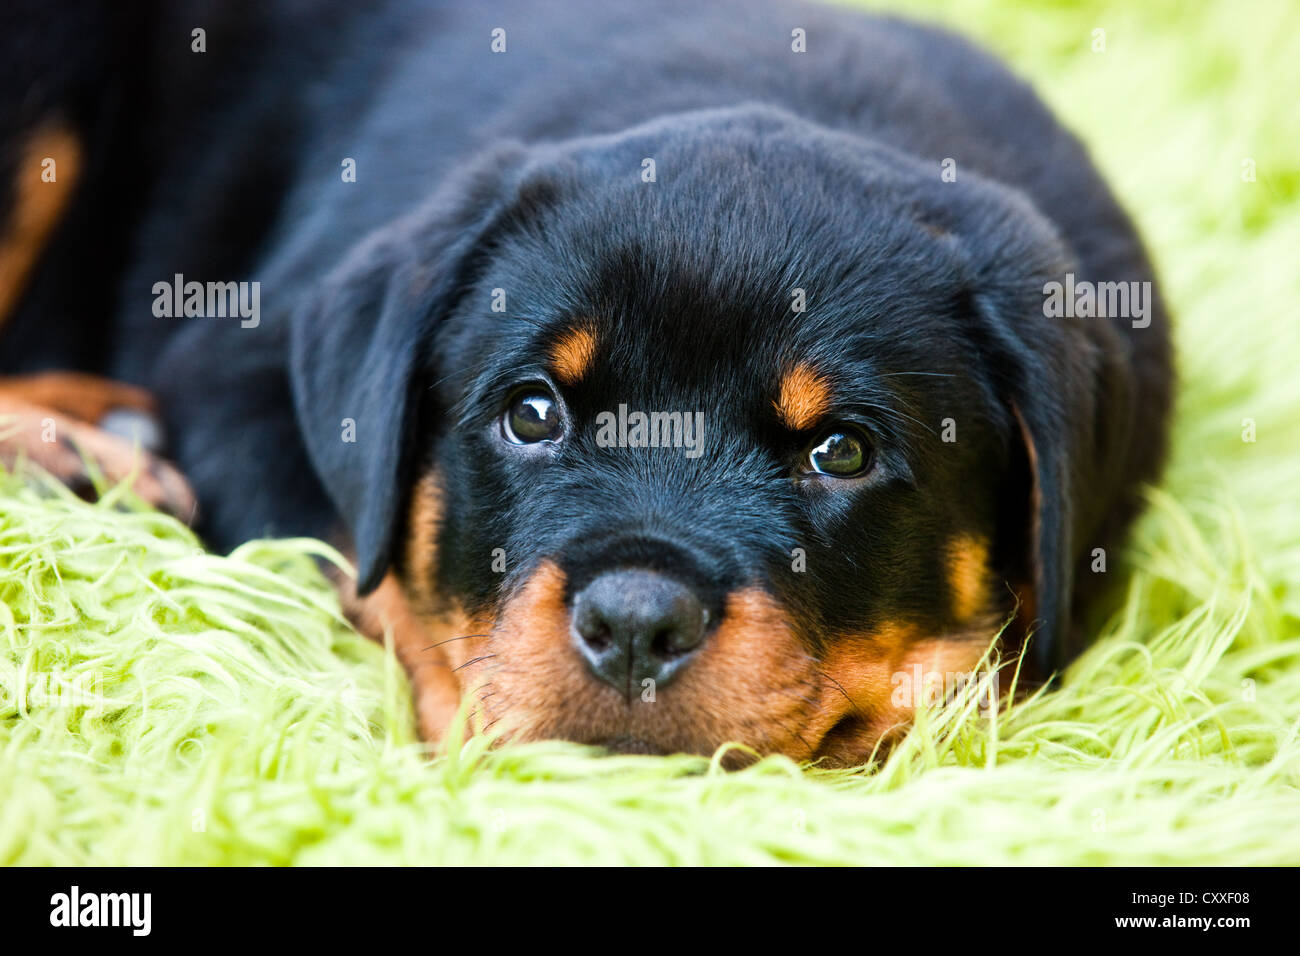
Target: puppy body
(669, 209)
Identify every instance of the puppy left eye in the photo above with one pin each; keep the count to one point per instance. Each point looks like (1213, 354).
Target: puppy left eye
(841, 452)
(532, 416)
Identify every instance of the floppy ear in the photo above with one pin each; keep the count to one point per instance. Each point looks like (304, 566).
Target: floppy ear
(1050, 544)
(358, 345)
(1061, 380)
(1071, 431)
(1037, 405)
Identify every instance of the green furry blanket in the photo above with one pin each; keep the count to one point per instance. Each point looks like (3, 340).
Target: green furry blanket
(162, 705)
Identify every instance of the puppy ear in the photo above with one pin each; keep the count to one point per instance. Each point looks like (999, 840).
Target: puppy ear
(1062, 382)
(1049, 546)
(1071, 434)
(1040, 522)
(359, 344)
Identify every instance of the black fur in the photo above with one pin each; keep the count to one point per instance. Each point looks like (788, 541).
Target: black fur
(521, 171)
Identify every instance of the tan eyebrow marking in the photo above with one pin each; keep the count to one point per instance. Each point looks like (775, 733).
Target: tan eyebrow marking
(804, 397)
(572, 354)
(968, 559)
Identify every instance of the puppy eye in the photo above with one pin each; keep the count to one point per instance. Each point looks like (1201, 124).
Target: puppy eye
(532, 416)
(841, 452)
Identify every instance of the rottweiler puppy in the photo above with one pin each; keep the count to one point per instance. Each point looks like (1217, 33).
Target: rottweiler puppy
(676, 373)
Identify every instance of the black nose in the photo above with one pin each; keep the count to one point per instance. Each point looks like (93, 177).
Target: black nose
(632, 625)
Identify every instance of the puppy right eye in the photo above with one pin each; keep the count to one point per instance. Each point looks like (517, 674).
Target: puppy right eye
(532, 416)
(840, 452)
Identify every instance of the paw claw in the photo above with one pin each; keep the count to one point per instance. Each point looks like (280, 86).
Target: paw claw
(134, 425)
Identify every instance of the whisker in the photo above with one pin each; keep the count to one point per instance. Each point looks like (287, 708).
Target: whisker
(474, 660)
(840, 687)
(893, 411)
(463, 637)
(931, 374)
(460, 371)
(798, 736)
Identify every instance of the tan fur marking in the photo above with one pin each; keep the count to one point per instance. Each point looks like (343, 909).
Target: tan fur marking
(572, 355)
(805, 396)
(86, 397)
(386, 611)
(968, 558)
(752, 682)
(423, 524)
(38, 206)
(878, 673)
(749, 682)
(434, 638)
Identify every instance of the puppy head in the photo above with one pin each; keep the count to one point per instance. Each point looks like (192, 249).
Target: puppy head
(733, 452)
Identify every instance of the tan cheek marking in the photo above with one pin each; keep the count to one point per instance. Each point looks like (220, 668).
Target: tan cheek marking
(863, 665)
(536, 676)
(385, 612)
(887, 673)
(431, 637)
(804, 397)
(452, 643)
(751, 680)
(968, 559)
(423, 523)
(38, 207)
(539, 609)
(752, 637)
(572, 355)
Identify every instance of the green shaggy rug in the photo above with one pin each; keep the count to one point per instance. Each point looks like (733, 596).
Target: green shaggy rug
(162, 705)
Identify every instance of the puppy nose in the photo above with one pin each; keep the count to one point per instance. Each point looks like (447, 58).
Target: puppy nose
(632, 625)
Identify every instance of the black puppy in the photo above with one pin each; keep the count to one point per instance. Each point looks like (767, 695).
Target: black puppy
(677, 373)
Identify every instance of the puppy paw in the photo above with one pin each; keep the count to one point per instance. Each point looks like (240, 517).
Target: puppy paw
(76, 453)
(88, 398)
